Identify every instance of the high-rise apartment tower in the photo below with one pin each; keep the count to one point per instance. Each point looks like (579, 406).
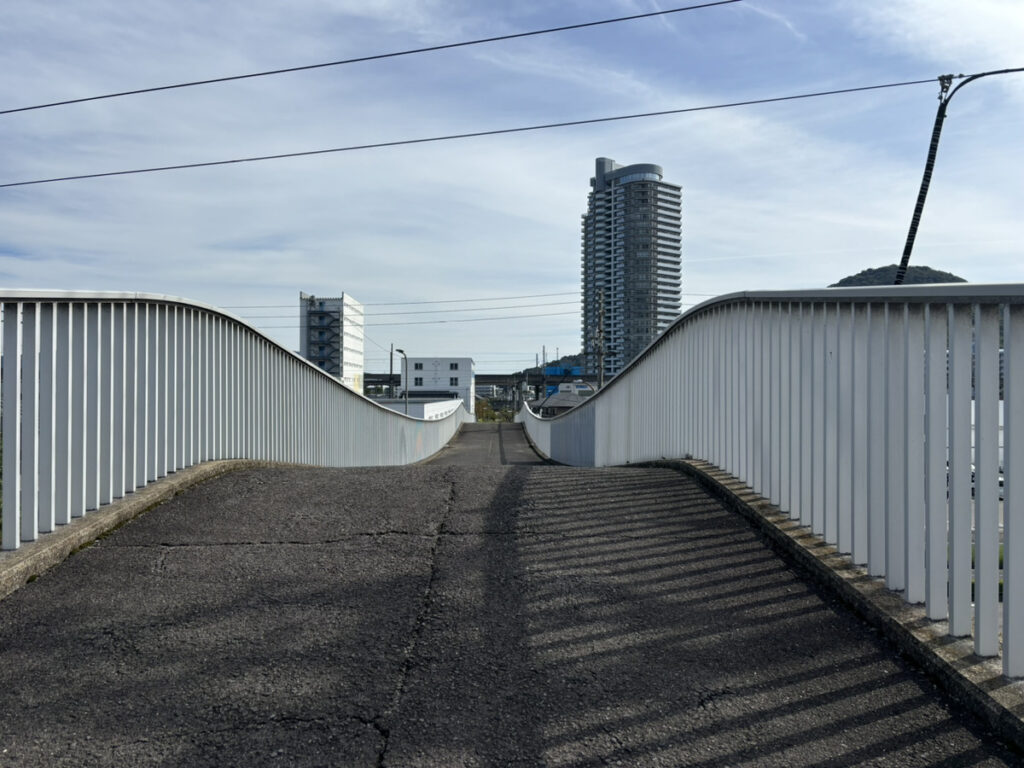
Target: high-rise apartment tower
(631, 263)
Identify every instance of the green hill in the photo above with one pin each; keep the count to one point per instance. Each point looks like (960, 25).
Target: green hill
(885, 276)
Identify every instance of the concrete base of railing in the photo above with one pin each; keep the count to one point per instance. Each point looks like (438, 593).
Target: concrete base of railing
(18, 567)
(976, 682)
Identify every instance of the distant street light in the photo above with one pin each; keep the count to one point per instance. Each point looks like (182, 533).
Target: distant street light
(405, 369)
(944, 96)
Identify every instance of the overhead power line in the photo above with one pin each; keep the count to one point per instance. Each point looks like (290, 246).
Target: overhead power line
(412, 303)
(375, 315)
(360, 59)
(462, 301)
(452, 320)
(470, 135)
(439, 301)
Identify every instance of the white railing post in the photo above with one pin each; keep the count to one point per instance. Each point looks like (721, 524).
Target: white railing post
(118, 398)
(62, 415)
(106, 405)
(860, 365)
(817, 365)
(92, 406)
(806, 439)
(986, 480)
(936, 472)
(131, 396)
(29, 423)
(844, 438)
(795, 409)
(775, 431)
(1013, 503)
(785, 405)
(960, 572)
(78, 405)
(895, 446)
(914, 452)
(46, 446)
(11, 385)
(832, 406)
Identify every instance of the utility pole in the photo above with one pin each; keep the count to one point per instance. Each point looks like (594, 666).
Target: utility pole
(391, 372)
(945, 94)
(405, 376)
(544, 371)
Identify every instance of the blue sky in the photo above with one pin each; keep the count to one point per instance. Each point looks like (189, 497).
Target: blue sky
(780, 196)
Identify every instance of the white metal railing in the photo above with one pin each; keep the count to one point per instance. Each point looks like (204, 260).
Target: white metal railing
(836, 406)
(102, 393)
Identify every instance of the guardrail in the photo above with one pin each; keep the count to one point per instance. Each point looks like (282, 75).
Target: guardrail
(870, 415)
(102, 393)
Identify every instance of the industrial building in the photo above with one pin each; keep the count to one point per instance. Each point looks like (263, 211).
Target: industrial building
(331, 336)
(631, 265)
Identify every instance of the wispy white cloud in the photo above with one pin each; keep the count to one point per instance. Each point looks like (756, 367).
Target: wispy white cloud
(777, 17)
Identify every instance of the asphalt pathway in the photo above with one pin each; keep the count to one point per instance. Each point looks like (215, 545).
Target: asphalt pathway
(454, 614)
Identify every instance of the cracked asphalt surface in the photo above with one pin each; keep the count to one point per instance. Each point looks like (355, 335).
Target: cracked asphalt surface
(482, 609)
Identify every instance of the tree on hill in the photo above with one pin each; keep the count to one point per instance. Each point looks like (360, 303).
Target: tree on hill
(886, 275)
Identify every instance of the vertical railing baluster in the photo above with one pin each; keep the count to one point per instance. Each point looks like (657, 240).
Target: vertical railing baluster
(92, 405)
(775, 431)
(197, 389)
(817, 364)
(46, 447)
(11, 419)
(859, 463)
(142, 394)
(831, 436)
(764, 446)
(188, 388)
(164, 392)
(877, 437)
(795, 406)
(131, 395)
(806, 413)
(986, 479)
(153, 373)
(118, 398)
(1013, 502)
(936, 471)
(844, 437)
(914, 457)
(29, 514)
(960, 573)
(176, 427)
(78, 407)
(62, 415)
(895, 447)
(105, 474)
(732, 440)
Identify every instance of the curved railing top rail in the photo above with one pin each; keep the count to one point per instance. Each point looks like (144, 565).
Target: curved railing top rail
(931, 293)
(43, 295)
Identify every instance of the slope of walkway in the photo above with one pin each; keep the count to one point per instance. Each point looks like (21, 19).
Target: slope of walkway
(453, 614)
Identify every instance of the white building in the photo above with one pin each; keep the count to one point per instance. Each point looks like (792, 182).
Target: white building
(331, 336)
(631, 262)
(440, 378)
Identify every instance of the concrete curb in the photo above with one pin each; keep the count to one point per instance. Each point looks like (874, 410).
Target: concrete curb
(976, 682)
(18, 567)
